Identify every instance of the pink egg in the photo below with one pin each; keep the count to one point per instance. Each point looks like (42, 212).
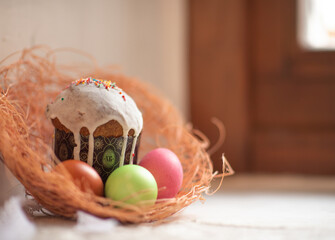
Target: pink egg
(165, 166)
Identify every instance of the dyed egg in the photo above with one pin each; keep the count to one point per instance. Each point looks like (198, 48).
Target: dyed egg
(84, 176)
(167, 170)
(132, 184)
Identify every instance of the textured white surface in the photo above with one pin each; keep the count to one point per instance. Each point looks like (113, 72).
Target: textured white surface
(87, 223)
(14, 225)
(247, 207)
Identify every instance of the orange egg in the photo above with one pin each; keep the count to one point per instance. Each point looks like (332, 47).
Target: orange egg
(84, 176)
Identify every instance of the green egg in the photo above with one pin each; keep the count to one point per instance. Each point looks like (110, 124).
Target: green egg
(132, 184)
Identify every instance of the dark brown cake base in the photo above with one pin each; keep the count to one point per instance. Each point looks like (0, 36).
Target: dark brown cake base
(106, 155)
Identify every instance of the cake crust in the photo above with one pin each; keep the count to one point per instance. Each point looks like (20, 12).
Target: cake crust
(110, 129)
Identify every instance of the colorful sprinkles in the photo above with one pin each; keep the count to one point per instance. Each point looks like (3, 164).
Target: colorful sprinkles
(99, 83)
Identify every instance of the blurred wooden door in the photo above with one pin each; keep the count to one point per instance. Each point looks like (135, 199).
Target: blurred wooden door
(218, 75)
(293, 95)
(276, 98)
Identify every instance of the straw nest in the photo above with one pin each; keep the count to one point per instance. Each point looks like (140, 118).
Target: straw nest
(34, 79)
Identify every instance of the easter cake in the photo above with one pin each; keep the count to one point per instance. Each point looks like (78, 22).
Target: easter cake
(96, 122)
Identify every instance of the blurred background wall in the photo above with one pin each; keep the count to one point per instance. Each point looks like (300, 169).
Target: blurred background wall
(146, 38)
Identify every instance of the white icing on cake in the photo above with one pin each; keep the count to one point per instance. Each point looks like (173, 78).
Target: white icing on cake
(90, 103)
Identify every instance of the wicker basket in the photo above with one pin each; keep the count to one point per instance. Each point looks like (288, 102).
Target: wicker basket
(31, 82)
